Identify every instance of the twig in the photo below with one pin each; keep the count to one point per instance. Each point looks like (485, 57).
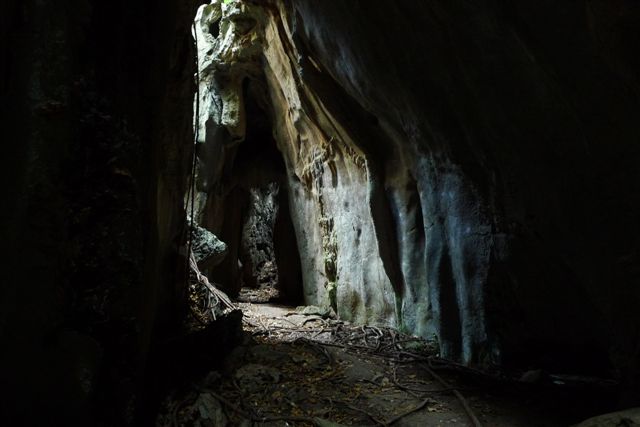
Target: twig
(252, 418)
(202, 279)
(396, 343)
(362, 411)
(409, 412)
(317, 347)
(421, 390)
(313, 319)
(364, 332)
(400, 386)
(286, 320)
(474, 420)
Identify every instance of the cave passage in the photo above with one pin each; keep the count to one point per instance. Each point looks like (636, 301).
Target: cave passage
(291, 183)
(268, 257)
(390, 213)
(263, 264)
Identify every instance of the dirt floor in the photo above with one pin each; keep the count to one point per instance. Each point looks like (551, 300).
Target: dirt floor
(302, 367)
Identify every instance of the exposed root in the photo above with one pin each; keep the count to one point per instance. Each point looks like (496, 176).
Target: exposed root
(206, 301)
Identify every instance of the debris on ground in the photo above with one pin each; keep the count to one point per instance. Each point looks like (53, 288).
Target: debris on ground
(303, 367)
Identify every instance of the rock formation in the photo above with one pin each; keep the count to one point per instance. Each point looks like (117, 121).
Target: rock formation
(207, 249)
(451, 169)
(464, 170)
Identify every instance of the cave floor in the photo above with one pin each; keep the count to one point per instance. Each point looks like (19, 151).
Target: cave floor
(301, 367)
(260, 295)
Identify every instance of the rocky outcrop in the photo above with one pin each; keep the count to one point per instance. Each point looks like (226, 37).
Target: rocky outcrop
(208, 250)
(455, 170)
(501, 144)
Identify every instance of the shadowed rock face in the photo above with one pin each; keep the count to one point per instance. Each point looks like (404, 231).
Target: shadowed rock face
(464, 170)
(461, 169)
(96, 120)
(257, 236)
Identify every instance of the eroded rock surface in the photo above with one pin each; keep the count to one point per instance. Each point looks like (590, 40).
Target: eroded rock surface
(258, 254)
(455, 170)
(208, 250)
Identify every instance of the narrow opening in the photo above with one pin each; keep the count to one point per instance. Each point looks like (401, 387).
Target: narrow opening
(264, 264)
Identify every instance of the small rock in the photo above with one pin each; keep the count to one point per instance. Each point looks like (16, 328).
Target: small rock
(208, 250)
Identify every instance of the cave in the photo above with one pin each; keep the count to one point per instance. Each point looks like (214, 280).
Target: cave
(320, 213)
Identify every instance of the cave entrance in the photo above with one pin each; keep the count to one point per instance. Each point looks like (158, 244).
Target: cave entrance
(264, 263)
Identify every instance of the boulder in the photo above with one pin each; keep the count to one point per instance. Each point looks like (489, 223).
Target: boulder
(207, 248)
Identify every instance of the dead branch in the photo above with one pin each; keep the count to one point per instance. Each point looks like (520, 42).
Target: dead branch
(474, 420)
(362, 411)
(394, 420)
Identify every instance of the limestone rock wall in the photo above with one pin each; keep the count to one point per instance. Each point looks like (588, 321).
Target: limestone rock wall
(460, 169)
(505, 124)
(327, 178)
